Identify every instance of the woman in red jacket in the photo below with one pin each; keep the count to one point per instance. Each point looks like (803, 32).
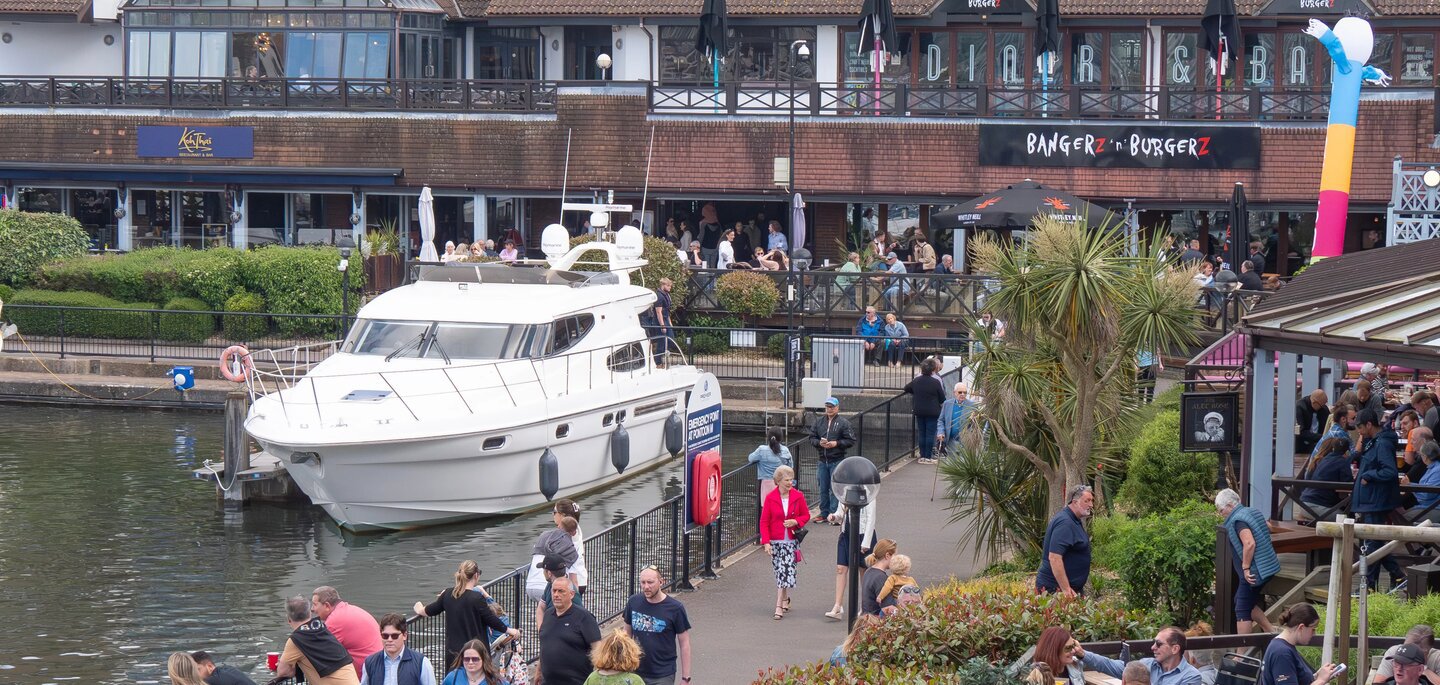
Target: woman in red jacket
(784, 512)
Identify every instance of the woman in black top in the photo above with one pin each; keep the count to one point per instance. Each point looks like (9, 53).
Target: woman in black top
(929, 393)
(467, 611)
(1331, 463)
(1283, 665)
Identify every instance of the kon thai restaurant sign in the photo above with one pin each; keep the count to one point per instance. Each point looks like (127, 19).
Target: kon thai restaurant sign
(1102, 146)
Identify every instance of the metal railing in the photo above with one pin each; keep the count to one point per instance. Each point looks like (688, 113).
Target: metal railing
(840, 297)
(1066, 102)
(449, 95)
(1285, 491)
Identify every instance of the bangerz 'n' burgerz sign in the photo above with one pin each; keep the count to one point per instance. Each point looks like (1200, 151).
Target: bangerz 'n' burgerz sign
(1103, 146)
(198, 142)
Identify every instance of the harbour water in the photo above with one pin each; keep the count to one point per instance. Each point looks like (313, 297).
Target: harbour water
(112, 555)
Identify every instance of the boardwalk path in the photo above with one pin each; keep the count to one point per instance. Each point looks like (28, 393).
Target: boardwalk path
(734, 635)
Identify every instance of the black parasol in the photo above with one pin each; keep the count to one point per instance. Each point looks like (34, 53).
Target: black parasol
(714, 37)
(1239, 227)
(1219, 20)
(1047, 27)
(1017, 206)
(877, 19)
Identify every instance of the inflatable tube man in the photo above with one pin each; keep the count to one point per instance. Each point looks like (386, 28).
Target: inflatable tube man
(1349, 45)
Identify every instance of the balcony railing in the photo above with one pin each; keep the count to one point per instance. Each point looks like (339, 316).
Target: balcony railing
(281, 94)
(1072, 102)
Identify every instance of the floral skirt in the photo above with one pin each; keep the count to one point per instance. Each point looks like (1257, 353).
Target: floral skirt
(783, 560)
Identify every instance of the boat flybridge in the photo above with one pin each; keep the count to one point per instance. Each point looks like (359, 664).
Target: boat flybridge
(480, 389)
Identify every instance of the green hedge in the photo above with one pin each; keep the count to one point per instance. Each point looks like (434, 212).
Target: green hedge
(872, 674)
(245, 328)
(186, 327)
(79, 323)
(1159, 476)
(29, 240)
(7, 293)
(302, 280)
(1166, 562)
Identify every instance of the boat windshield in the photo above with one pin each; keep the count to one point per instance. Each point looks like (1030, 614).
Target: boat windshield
(438, 340)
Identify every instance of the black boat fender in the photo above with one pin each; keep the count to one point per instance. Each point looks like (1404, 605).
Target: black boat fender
(549, 474)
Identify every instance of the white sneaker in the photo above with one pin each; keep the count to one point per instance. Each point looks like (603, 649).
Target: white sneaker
(836, 614)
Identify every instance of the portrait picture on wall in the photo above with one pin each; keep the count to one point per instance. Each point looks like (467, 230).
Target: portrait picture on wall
(1209, 421)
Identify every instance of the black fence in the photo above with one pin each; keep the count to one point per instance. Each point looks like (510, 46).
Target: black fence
(1068, 102)
(447, 95)
(839, 298)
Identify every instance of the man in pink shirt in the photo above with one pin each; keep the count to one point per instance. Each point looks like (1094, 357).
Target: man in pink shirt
(354, 627)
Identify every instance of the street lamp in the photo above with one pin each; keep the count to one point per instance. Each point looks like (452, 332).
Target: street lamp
(346, 245)
(799, 50)
(603, 62)
(856, 483)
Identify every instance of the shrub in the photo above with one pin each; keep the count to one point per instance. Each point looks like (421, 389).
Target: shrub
(245, 328)
(1159, 476)
(152, 273)
(7, 293)
(186, 327)
(990, 619)
(871, 673)
(213, 275)
(1165, 561)
(710, 342)
(747, 293)
(30, 240)
(86, 323)
(775, 345)
(661, 262)
(301, 280)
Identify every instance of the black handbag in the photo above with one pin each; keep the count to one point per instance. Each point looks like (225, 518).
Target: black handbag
(800, 534)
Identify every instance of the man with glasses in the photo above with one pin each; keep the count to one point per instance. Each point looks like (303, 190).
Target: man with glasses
(658, 622)
(954, 414)
(1407, 666)
(396, 664)
(870, 328)
(1168, 666)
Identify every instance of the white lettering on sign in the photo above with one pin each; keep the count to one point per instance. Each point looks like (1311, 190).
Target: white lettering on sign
(933, 55)
(1299, 67)
(1259, 64)
(1136, 146)
(984, 4)
(1317, 4)
(1179, 72)
(1085, 71)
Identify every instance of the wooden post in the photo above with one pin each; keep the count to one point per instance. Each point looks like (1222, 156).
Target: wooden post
(1346, 581)
(237, 448)
(1337, 560)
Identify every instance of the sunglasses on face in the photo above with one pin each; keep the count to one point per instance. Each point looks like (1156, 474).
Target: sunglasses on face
(470, 659)
(391, 636)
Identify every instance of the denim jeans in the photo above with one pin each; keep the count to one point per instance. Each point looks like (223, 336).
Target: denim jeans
(1372, 572)
(828, 502)
(925, 427)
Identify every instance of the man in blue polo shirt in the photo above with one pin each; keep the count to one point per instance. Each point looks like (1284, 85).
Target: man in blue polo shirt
(1065, 555)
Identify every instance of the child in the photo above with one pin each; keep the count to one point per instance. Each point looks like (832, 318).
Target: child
(899, 577)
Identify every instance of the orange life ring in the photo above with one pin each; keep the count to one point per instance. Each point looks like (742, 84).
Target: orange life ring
(238, 357)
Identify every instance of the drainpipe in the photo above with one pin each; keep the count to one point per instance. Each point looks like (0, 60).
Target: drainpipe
(544, 50)
(650, 50)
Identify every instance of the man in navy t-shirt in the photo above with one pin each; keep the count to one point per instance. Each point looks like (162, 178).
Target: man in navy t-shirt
(1065, 555)
(658, 622)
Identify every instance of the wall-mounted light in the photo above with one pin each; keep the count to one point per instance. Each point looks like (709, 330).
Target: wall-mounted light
(109, 39)
(6, 38)
(355, 219)
(619, 43)
(555, 45)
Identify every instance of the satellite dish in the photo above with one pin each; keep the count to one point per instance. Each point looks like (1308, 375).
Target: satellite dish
(555, 242)
(600, 219)
(629, 243)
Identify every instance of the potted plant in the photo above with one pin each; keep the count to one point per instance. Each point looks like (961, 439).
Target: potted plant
(381, 248)
(748, 294)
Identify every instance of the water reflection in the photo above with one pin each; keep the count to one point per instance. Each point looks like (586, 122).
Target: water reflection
(112, 556)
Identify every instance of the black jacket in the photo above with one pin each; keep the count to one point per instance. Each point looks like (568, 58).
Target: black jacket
(1251, 281)
(838, 431)
(929, 392)
(1306, 440)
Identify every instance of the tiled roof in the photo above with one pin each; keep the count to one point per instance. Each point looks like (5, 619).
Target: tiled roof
(738, 8)
(473, 8)
(1403, 7)
(1152, 8)
(44, 6)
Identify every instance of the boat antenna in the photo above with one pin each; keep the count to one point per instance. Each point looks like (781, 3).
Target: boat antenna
(644, 195)
(565, 180)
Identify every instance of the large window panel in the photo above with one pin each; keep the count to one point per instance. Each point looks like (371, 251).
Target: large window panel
(762, 53)
(1297, 53)
(679, 60)
(200, 54)
(149, 54)
(1417, 59)
(1127, 60)
(313, 55)
(367, 55)
(1087, 50)
(1260, 63)
(1182, 53)
(936, 57)
(257, 55)
(973, 66)
(1383, 55)
(513, 54)
(1010, 58)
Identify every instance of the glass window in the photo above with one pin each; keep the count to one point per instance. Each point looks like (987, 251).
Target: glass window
(629, 357)
(367, 55)
(149, 54)
(1383, 55)
(679, 60)
(200, 54)
(1299, 71)
(1126, 60)
(1086, 52)
(150, 217)
(320, 219)
(1417, 59)
(265, 219)
(936, 57)
(257, 55)
(1259, 58)
(582, 45)
(860, 65)
(973, 65)
(514, 54)
(95, 210)
(569, 331)
(313, 55)
(202, 220)
(468, 341)
(1010, 58)
(40, 199)
(1182, 50)
(385, 337)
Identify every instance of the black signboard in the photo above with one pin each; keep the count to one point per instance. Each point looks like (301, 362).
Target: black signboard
(1106, 146)
(1209, 421)
(986, 7)
(1310, 8)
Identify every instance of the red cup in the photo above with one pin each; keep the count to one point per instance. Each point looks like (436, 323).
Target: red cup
(272, 660)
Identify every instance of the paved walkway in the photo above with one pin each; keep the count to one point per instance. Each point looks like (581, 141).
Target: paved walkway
(734, 635)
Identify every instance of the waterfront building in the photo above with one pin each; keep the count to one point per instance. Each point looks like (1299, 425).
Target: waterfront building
(247, 122)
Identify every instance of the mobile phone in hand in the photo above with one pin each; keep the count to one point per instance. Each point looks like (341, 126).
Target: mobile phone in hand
(1339, 673)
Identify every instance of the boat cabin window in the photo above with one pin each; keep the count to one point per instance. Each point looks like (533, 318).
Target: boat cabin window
(439, 340)
(628, 357)
(569, 330)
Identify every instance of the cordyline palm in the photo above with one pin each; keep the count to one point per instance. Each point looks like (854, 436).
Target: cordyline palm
(1077, 308)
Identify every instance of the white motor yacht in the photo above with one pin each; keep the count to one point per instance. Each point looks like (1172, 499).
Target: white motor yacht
(480, 389)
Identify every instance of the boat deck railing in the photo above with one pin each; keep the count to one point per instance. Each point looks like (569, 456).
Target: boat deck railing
(305, 398)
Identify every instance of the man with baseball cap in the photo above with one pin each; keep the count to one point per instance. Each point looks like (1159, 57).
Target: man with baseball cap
(831, 436)
(900, 286)
(1408, 665)
(1421, 637)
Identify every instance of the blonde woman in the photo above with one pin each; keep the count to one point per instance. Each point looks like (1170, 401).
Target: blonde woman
(467, 614)
(784, 512)
(183, 670)
(615, 659)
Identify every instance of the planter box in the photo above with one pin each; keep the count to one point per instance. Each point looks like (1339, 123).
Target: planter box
(742, 338)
